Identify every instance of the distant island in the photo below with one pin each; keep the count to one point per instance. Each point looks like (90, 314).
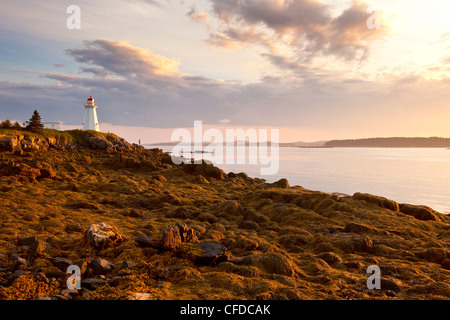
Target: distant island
(392, 142)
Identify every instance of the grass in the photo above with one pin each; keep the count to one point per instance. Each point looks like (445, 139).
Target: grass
(74, 136)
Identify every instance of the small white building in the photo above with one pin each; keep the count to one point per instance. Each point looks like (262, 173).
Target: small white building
(90, 116)
(52, 125)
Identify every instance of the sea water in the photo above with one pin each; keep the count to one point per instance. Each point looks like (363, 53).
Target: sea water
(407, 175)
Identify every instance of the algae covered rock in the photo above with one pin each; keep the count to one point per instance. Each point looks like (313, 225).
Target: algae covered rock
(102, 235)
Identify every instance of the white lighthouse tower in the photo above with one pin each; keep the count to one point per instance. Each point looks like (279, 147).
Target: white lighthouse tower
(90, 116)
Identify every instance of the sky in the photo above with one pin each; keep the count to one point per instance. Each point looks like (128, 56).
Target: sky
(314, 69)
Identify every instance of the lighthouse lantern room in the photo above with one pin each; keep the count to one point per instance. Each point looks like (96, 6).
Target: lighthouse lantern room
(90, 116)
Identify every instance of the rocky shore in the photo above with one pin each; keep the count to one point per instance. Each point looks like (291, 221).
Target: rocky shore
(140, 227)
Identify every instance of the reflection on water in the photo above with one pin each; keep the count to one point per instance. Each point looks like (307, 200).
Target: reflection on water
(406, 175)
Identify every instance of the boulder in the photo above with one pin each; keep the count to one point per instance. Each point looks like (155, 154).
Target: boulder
(92, 283)
(102, 235)
(144, 241)
(101, 266)
(186, 234)
(174, 236)
(27, 242)
(99, 142)
(171, 238)
(379, 201)
(39, 248)
(282, 183)
(53, 273)
(213, 253)
(12, 277)
(83, 265)
(205, 170)
(420, 212)
(11, 144)
(61, 263)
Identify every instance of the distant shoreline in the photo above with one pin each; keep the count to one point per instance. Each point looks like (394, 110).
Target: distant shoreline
(393, 142)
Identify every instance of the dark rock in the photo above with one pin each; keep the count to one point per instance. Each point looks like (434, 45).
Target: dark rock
(27, 242)
(127, 264)
(101, 266)
(39, 248)
(214, 253)
(92, 283)
(420, 212)
(61, 263)
(53, 273)
(115, 281)
(144, 241)
(16, 274)
(83, 265)
(390, 284)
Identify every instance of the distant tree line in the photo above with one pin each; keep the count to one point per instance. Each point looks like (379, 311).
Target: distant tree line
(394, 142)
(34, 124)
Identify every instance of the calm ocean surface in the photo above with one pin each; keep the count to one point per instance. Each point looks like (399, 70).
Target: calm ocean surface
(406, 175)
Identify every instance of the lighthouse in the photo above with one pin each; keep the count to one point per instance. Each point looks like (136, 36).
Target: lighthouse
(90, 116)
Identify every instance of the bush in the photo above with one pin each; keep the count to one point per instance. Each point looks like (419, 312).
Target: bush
(6, 124)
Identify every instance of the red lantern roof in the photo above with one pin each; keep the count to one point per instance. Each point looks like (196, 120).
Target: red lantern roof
(90, 98)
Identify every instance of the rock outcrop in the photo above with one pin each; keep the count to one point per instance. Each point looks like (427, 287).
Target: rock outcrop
(102, 235)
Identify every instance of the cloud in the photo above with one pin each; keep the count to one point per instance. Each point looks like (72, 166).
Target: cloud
(198, 15)
(114, 57)
(298, 30)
